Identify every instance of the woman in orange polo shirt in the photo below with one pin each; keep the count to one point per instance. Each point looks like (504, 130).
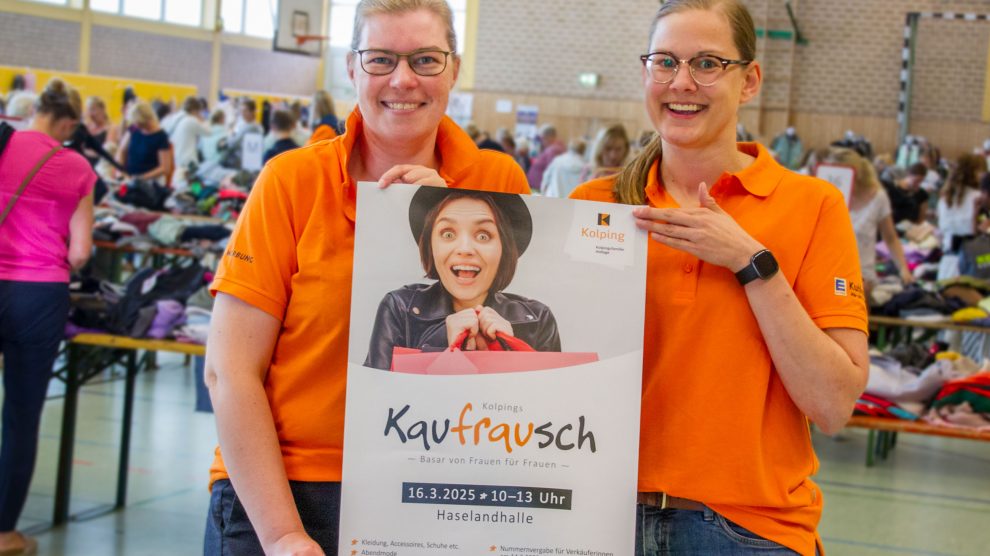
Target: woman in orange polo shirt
(755, 315)
(277, 351)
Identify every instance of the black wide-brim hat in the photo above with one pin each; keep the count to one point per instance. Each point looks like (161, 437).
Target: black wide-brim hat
(512, 206)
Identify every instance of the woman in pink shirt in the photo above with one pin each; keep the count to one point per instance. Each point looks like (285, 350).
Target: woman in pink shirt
(47, 231)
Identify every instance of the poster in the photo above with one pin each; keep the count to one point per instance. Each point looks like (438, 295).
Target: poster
(842, 177)
(460, 107)
(526, 118)
(252, 152)
(492, 452)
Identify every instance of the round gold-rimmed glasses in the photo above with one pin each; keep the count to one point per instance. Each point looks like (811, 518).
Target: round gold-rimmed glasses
(705, 69)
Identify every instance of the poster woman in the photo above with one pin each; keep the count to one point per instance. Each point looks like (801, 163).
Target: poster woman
(470, 243)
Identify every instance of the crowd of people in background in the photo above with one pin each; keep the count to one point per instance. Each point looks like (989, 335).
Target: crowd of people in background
(913, 210)
(176, 146)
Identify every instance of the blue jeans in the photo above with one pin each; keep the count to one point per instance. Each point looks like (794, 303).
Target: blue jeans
(662, 532)
(32, 324)
(229, 532)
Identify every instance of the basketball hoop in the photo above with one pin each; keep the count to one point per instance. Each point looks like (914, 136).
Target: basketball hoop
(303, 39)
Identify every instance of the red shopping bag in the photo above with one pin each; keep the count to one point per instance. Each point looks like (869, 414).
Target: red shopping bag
(505, 355)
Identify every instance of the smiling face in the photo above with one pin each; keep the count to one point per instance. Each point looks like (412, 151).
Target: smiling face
(684, 113)
(403, 106)
(467, 250)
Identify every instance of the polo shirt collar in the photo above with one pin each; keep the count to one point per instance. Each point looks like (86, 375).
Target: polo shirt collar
(457, 151)
(759, 178)
(762, 176)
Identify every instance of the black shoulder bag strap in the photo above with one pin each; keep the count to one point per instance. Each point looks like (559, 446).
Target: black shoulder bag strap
(27, 180)
(6, 131)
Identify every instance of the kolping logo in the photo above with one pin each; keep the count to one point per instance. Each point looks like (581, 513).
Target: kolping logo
(603, 219)
(840, 286)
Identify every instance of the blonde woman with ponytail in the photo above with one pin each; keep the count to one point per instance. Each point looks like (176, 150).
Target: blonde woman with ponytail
(755, 313)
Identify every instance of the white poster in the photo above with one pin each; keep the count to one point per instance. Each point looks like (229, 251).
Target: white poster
(252, 151)
(503, 106)
(526, 118)
(838, 175)
(460, 107)
(523, 439)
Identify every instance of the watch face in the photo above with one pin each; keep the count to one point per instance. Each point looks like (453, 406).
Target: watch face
(765, 264)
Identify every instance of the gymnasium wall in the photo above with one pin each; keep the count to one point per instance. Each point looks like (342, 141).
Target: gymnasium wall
(38, 42)
(123, 52)
(847, 76)
(50, 38)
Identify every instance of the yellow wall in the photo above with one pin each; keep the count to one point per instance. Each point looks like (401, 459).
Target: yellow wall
(110, 89)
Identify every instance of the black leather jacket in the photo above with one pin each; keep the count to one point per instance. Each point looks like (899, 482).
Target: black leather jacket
(414, 316)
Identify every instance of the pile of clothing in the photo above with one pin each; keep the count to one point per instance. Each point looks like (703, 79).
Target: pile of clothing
(200, 198)
(149, 229)
(939, 387)
(152, 303)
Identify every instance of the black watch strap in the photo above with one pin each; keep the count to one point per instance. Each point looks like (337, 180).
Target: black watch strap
(747, 274)
(761, 265)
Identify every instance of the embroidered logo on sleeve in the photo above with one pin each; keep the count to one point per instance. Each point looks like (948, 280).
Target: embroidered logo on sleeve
(856, 290)
(240, 256)
(840, 287)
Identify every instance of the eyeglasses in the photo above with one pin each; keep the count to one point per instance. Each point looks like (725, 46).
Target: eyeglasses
(426, 62)
(705, 70)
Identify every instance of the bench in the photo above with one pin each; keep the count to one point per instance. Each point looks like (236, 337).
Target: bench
(87, 356)
(883, 433)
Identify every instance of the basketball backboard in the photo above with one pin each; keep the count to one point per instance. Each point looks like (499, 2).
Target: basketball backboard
(296, 19)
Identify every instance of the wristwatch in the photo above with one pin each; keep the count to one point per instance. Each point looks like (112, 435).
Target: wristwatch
(762, 265)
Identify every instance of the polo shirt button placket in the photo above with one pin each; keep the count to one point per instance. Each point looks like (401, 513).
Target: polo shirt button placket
(688, 268)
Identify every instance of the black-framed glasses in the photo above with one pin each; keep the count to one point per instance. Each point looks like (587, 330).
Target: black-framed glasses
(705, 70)
(426, 62)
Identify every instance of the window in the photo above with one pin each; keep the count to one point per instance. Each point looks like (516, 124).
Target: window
(112, 6)
(250, 17)
(232, 13)
(259, 18)
(342, 22)
(55, 2)
(147, 9)
(183, 12)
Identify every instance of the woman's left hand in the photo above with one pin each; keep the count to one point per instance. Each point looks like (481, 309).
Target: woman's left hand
(707, 232)
(491, 323)
(411, 174)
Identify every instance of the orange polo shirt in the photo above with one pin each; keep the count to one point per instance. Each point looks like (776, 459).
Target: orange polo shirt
(291, 255)
(717, 423)
(321, 133)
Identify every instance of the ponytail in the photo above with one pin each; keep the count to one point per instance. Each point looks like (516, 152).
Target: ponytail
(630, 184)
